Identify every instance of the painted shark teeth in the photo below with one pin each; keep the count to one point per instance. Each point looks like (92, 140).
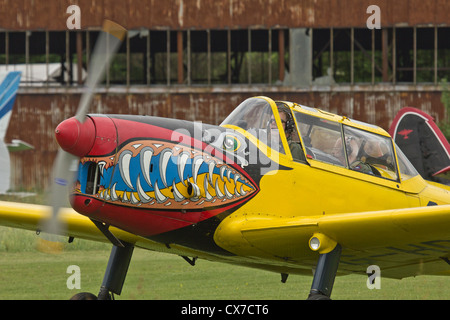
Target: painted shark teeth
(219, 193)
(221, 171)
(163, 162)
(101, 166)
(146, 158)
(125, 197)
(113, 193)
(176, 194)
(182, 177)
(196, 163)
(160, 198)
(227, 193)
(142, 195)
(133, 198)
(236, 178)
(181, 164)
(208, 196)
(211, 166)
(242, 192)
(124, 165)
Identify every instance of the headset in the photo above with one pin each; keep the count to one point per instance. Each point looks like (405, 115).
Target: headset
(290, 124)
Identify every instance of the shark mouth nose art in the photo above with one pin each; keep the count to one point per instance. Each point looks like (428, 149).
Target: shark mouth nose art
(159, 174)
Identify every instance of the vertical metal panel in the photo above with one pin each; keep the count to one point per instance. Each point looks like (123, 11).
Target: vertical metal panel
(208, 58)
(180, 57)
(168, 56)
(384, 53)
(281, 63)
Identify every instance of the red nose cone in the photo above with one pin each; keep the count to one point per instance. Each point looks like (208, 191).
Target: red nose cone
(75, 137)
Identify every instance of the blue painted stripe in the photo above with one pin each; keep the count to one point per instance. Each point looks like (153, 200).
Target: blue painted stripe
(8, 91)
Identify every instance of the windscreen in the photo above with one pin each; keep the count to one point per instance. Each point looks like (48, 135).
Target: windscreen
(255, 115)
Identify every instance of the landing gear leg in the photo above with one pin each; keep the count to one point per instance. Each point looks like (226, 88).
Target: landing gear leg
(325, 274)
(116, 271)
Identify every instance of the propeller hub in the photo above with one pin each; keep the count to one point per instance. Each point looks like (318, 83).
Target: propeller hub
(75, 137)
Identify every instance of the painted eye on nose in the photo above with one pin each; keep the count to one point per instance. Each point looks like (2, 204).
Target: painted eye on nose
(230, 143)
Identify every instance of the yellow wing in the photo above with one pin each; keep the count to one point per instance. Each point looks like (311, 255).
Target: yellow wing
(403, 242)
(31, 216)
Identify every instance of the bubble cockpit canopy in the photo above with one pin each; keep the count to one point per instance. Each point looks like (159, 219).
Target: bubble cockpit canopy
(320, 135)
(255, 115)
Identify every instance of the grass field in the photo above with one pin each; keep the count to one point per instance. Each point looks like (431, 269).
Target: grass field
(28, 274)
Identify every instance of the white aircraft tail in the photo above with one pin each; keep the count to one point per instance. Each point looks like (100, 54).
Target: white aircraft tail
(9, 84)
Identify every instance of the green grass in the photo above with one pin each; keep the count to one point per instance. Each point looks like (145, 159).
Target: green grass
(28, 274)
(17, 240)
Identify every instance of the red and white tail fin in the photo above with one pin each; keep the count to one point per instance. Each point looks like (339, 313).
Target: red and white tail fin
(420, 139)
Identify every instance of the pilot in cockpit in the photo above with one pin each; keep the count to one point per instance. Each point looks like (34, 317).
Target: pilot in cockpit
(289, 127)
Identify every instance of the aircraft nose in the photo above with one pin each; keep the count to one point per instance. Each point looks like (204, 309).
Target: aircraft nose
(75, 137)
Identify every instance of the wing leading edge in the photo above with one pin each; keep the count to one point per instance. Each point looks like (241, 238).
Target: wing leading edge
(402, 242)
(30, 217)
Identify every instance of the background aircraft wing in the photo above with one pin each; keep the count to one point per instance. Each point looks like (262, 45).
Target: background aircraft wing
(9, 84)
(403, 242)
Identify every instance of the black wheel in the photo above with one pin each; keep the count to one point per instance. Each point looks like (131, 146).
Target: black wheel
(84, 296)
(318, 296)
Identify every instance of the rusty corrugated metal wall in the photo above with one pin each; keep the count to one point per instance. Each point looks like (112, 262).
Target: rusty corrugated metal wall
(207, 14)
(37, 112)
(36, 115)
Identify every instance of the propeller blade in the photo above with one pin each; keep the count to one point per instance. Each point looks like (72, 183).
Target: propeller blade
(53, 228)
(65, 166)
(107, 45)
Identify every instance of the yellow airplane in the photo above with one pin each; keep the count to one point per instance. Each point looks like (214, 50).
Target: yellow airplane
(277, 186)
(234, 193)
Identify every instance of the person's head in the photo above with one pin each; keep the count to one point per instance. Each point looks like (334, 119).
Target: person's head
(352, 150)
(286, 121)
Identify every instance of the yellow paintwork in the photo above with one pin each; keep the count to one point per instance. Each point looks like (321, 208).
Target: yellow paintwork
(375, 220)
(32, 216)
(363, 213)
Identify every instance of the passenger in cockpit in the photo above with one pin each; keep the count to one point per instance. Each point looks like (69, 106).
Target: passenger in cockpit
(352, 150)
